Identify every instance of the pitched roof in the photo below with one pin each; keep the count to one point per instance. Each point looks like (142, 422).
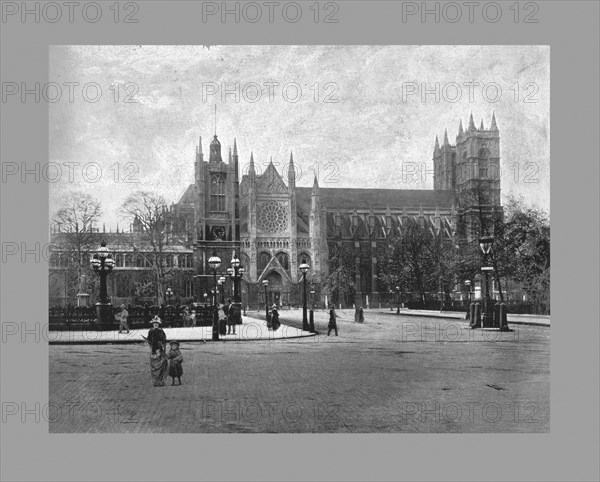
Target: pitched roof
(350, 198)
(188, 196)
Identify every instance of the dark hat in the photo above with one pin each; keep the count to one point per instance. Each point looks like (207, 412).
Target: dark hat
(174, 342)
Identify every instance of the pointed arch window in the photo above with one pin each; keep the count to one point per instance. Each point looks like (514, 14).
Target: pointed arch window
(217, 192)
(483, 163)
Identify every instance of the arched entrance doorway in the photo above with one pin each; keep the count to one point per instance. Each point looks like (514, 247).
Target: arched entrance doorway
(277, 292)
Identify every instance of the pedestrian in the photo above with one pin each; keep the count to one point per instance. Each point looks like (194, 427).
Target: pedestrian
(231, 317)
(175, 362)
(186, 318)
(123, 319)
(159, 367)
(332, 321)
(275, 324)
(361, 315)
(193, 318)
(156, 336)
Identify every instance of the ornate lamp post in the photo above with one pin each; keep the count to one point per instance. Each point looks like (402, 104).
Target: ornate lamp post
(265, 284)
(468, 286)
(103, 263)
(236, 273)
(222, 284)
(304, 268)
(398, 299)
(215, 262)
(169, 295)
(485, 244)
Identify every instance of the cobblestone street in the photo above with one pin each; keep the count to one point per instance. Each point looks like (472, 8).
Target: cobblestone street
(390, 374)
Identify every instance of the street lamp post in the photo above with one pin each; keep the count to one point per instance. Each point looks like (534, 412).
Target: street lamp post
(398, 299)
(265, 284)
(215, 262)
(312, 311)
(103, 263)
(205, 298)
(485, 244)
(222, 284)
(169, 294)
(304, 268)
(236, 272)
(468, 285)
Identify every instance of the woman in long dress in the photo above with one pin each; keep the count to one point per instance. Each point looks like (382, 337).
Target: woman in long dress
(159, 367)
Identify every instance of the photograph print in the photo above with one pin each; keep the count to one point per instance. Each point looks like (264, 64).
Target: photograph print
(299, 239)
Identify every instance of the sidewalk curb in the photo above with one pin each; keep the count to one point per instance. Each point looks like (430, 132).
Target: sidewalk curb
(449, 317)
(133, 341)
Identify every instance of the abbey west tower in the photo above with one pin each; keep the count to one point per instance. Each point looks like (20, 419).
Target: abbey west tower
(471, 169)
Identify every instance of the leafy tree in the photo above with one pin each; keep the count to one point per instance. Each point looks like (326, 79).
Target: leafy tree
(525, 251)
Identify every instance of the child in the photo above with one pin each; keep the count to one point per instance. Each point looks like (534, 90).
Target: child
(175, 368)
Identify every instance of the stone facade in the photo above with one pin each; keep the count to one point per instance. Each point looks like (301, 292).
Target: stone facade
(273, 226)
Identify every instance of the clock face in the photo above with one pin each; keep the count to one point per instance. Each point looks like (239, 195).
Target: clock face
(218, 232)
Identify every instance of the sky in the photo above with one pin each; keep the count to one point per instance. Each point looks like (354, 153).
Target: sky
(357, 116)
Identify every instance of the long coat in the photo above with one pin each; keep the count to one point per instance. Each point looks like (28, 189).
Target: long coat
(157, 339)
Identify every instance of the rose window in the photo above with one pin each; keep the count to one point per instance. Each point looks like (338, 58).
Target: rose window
(272, 217)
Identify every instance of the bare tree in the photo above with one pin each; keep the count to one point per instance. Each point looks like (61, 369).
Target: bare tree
(152, 219)
(75, 220)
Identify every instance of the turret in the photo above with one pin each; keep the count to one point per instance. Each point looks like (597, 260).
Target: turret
(215, 151)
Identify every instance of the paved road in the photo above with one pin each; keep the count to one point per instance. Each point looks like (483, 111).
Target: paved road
(390, 374)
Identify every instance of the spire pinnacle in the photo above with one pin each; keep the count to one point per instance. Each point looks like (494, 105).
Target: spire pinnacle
(200, 145)
(460, 128)
(481, 128)
(437, 144)
(235, 153)
(493, 126)
(315, 182)
(230, 155)
(251, 171)
(446, 137)
(291, 171)
(471, 123)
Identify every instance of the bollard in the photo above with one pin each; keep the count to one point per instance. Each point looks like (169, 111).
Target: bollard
(496, 319)
(503, 318)
(475, 315)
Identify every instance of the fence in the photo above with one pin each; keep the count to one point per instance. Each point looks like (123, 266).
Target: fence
(85, 318)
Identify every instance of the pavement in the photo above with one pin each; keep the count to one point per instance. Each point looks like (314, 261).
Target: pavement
(253, 328)
(536, 320)
(388, 374)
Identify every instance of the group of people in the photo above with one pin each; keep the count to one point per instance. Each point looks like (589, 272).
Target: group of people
(163, 364)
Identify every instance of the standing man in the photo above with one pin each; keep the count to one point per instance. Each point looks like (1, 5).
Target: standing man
(230, 314)
(332, 321)
(123, 319)
(156, 336)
